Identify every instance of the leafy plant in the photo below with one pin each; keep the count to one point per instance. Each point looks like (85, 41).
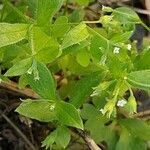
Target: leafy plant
(99, 64)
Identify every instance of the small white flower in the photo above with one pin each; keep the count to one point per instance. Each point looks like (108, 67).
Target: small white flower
(52, 107)
(116, 50)
(125, 78)
(121, 103)
(102, 111)
(129, 47)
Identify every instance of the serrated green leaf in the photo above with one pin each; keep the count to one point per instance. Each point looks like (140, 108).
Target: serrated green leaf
(75, 36)
(46, 9)
(12, 33)
(37, 109)
(68, 115)
(140, 79)
(45, 86)
(19, 68)
(50, 139)
(83, 88)
(137, 128)
(63, 136)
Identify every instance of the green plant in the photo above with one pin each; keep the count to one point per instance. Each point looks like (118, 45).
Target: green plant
(104, 60)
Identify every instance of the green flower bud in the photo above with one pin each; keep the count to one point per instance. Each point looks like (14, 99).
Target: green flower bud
(131, 105)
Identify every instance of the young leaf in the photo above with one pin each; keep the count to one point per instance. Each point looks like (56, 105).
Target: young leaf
(45, 47)
(125, 14)
(46, 9)
(68, 115)
(45, 86)
(50, 139)
(83, 88)
(12, 33)
(129, 142)
(41, 109)
(19, 68)
(140, 79)
(60, 27)
(83, 58)
(63, 136)
(137, 127)
(75, 36)
(122, 37)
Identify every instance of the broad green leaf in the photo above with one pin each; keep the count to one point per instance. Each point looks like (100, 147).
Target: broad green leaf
(125, 15)
(45, 47)
(48, 55)
(46, 9)
(68, 115)
(61, 26)
(45, 86)
(83, 58)
(140, 79)
(122, 37)
(12, 33)
(23, 81)
(96, 47)
(75, 36)
(83, 88)
(142, 61)
(117, 68)
(89, 111)
(77, 15)
(63, 136)
(40, 109)
(100, 132)
(129, 142)
(19, 68)
(50, 139)
(137, 128)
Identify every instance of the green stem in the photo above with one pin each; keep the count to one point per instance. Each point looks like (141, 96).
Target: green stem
(31, 42)
(145, 26)
(91, 22)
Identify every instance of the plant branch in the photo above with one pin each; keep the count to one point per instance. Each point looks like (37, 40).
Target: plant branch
(89, 141)
(12, 86)
(18, 131)
(29, 93)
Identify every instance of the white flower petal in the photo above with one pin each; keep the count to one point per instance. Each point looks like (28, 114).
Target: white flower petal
(121, 103)
(102, 111)
(116, 50)
(129, 47)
